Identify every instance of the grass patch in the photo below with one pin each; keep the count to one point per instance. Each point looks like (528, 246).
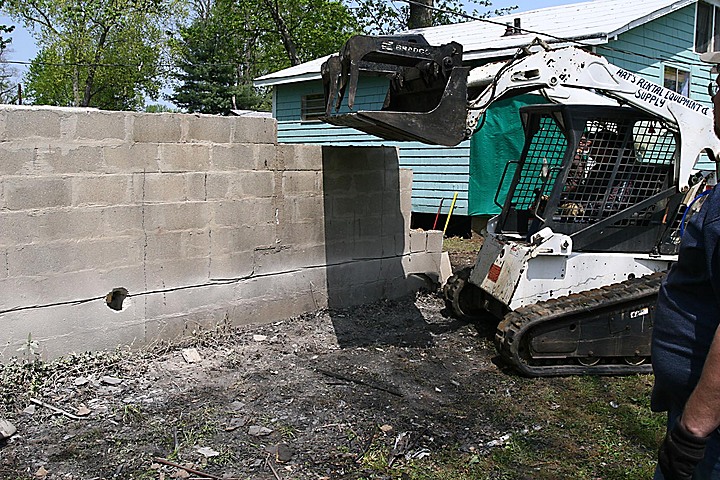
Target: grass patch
(461, 245)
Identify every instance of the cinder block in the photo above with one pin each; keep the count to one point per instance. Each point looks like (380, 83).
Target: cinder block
(138, 157)
(101, 190)
(393, 245)
(157, 128)
(159, 187)
(72, 256)
(241, 239)
(100, 125)
(218, 185)
(299, 157)
(68, 286)
(177, 245)
(372, 182)
(185, 274)
(196, 186)
(300, 209)
(337, 182)
(355, 159)
(66, 329)
(73, 224)
(249, 213)
(368, 247)
(423, 263)
(302, 182)
(33, 122)
(254, 130)
(339, 231)
(3, 263)
(241, 185)
(232, 265)
(242, 156)
(163, 246)
(209, 128)
(405, 176)
(288, 258)
(22, 193)
(123, 220)
(177, 216)
(368, 226)
(17, 158)
(174, 157)
(434, 241)
(418, 241)
(196, 298)
(259, 184)
(73, 159)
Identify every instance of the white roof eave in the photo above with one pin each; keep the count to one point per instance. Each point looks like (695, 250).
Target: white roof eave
(510, 51)
(270, 82)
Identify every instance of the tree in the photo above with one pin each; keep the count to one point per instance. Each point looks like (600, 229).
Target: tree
(231, 42)
(94, 52)
(385, 17)
(210, 79)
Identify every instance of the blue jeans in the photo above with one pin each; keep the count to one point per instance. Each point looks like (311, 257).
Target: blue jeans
(709, 468)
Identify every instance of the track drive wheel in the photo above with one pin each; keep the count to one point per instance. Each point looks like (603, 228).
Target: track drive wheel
(462, 297)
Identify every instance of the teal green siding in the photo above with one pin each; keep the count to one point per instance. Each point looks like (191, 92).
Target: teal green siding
(439, 172)
(665, 41)
(668, 40)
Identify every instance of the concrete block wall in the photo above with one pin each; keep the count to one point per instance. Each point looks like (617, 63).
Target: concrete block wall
(204, 220)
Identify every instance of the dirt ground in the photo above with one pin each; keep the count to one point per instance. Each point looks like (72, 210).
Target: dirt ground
(331, 394)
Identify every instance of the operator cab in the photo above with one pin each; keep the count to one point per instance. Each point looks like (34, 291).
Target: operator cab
(602, 175)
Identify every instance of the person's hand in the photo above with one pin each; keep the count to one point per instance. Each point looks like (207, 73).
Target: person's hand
(680, 452)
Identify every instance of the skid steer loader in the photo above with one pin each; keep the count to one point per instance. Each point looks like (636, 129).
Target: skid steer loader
(595, 206)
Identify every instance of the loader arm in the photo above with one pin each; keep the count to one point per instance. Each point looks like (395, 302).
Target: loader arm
(427, 98)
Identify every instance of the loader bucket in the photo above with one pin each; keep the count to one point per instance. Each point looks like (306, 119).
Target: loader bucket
(426, 99)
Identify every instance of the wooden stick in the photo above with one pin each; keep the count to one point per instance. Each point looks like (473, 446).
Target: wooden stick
(188, 469)
(267, 462)
(55, 409)
(390, 390)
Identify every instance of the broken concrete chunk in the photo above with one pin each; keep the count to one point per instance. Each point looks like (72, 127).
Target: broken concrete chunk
(7, 429)
(282, 452)
(235, 423)
(83, 411)
(30, 410)
(259, 431)
(80, 381)
(191, 355)
(41, 472)
(108, 380)
(207, 452)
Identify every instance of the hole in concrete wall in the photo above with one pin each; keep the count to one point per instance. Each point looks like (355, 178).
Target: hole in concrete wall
(115, 298)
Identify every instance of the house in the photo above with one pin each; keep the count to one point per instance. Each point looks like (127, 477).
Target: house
(659, 39)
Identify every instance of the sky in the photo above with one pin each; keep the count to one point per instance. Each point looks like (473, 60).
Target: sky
(23, 49)
(23, 46)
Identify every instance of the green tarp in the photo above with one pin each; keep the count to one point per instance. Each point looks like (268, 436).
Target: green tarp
(500, 140)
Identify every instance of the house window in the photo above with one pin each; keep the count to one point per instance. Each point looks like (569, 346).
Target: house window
(707, 27)
(676, 80)
(312, 107)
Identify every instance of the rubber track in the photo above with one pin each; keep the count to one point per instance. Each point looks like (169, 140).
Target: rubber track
(621, 296)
